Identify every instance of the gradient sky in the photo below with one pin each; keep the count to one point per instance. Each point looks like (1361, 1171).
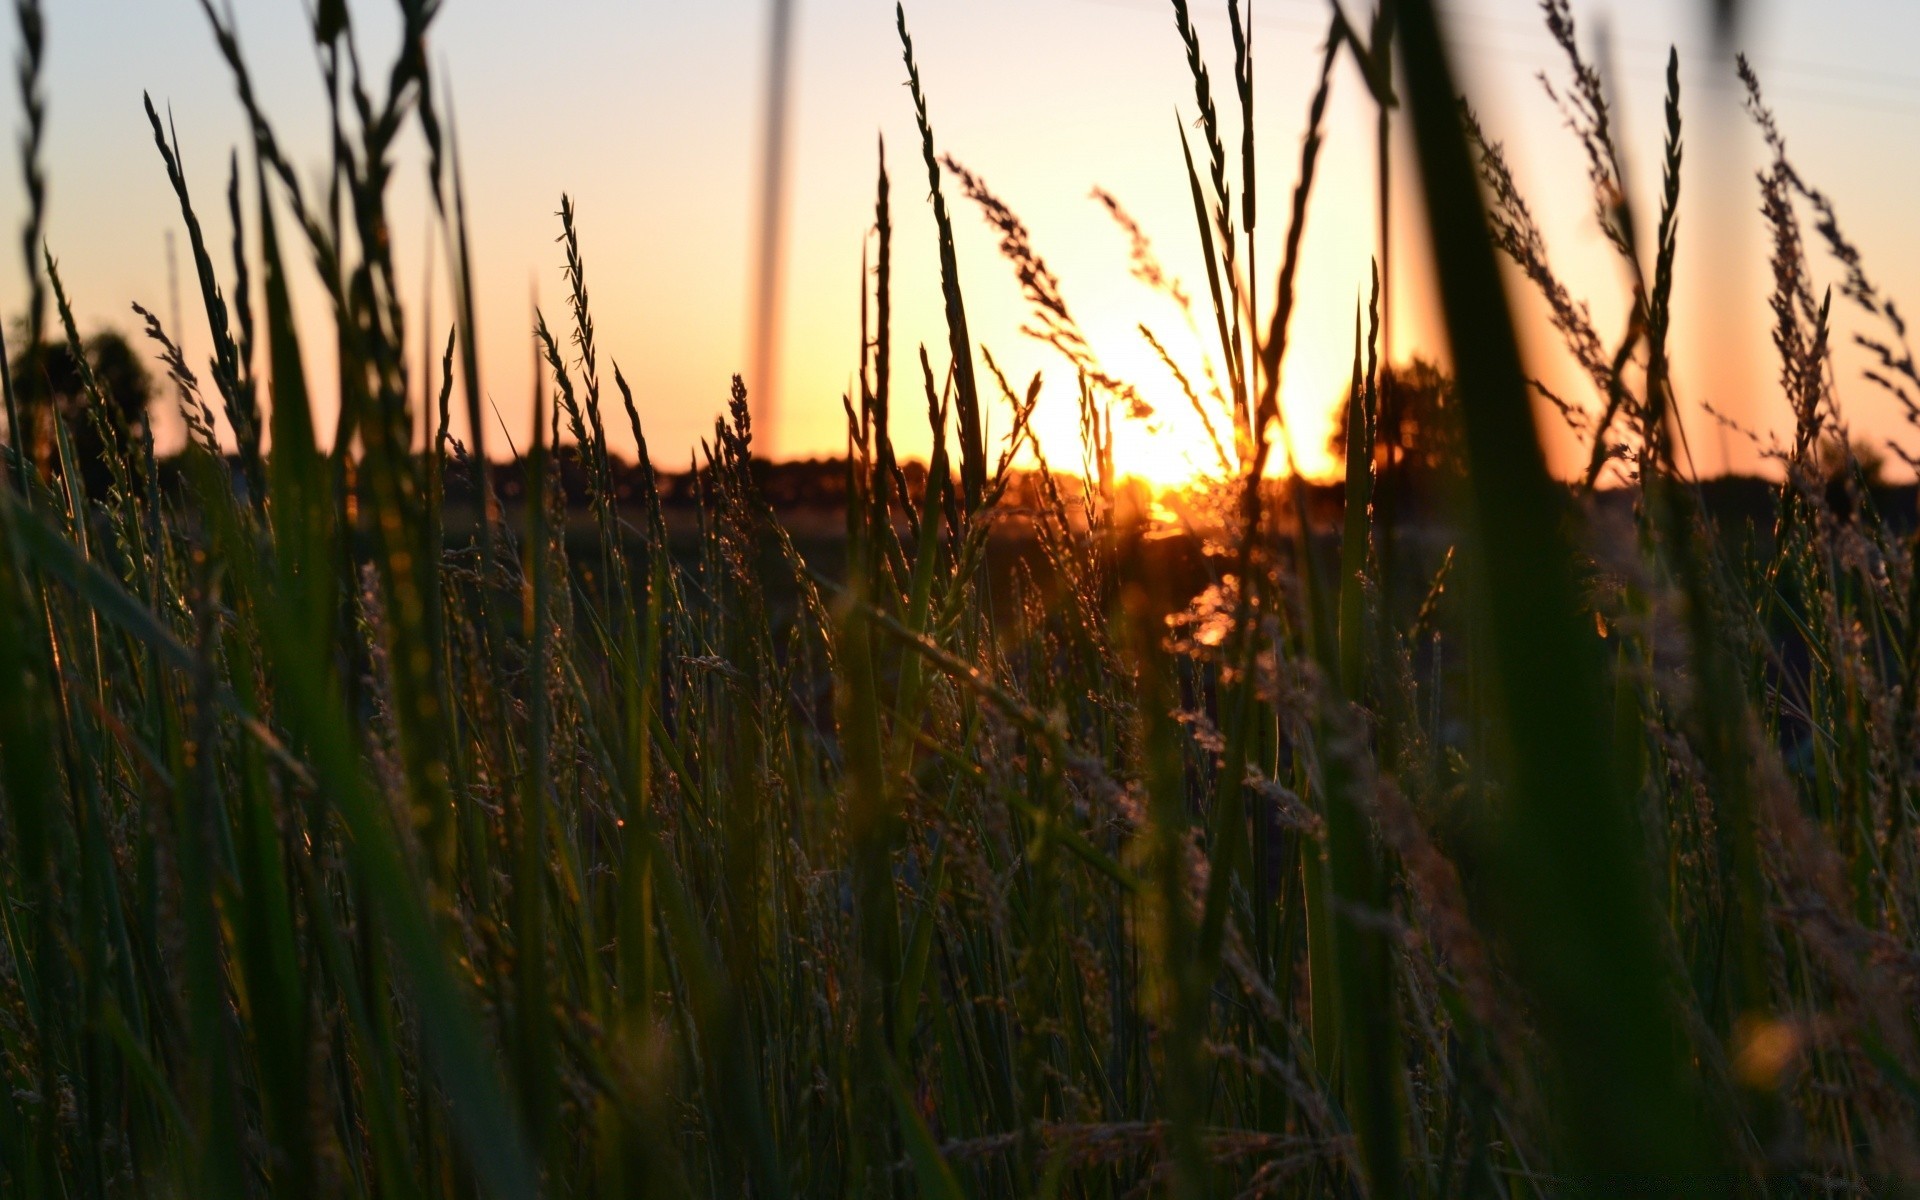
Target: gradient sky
(647, 114)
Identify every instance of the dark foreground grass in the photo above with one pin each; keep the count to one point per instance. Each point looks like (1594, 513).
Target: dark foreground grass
(341, 856)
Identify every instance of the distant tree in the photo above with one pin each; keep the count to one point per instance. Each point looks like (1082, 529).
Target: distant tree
(1845, 468)
(47, 381)
(1836, 459)
(1418, 440)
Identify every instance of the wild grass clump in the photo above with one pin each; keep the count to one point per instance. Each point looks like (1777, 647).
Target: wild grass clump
(370, 829)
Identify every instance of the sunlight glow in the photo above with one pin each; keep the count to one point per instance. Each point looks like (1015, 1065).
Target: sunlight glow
(1171, 446)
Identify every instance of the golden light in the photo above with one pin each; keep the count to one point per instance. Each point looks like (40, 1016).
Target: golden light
(1171, 446)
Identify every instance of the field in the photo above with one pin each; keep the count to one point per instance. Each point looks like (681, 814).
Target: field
(382, 818)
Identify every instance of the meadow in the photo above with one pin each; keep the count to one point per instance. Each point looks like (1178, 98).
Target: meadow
(366, 830)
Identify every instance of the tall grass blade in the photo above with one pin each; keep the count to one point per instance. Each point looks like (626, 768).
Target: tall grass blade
(973, 453)
(1567, 882)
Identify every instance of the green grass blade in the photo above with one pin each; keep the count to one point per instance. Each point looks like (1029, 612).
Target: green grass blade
(1567, 882)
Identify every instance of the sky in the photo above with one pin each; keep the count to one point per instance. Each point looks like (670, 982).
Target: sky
(648, 115)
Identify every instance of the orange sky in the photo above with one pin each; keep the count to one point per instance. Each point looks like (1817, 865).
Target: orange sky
(647, 115)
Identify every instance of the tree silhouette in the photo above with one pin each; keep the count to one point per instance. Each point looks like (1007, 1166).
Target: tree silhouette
(1417, 442)
(48, 382)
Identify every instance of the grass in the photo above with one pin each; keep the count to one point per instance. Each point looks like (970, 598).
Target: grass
(348, 851)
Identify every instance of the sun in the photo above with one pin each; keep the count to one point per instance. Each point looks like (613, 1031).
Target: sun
(1186, 438)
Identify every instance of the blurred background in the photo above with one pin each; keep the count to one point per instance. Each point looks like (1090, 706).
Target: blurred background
(651, 117)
